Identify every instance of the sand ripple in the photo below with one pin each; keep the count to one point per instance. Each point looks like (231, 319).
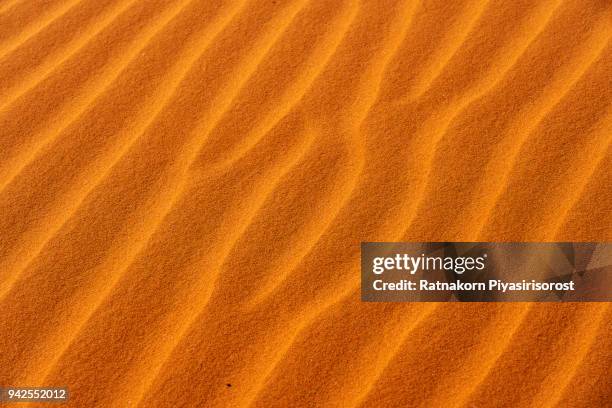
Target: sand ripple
(184, 185)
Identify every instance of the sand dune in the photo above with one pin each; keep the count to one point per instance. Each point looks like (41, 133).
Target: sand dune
(184, 185)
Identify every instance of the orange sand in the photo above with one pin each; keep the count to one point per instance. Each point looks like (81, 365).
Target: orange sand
(184, 185)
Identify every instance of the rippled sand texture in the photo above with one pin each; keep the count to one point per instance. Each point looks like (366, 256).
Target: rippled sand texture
(184, 185)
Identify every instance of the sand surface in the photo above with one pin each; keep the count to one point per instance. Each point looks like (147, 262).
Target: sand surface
(184, 185)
